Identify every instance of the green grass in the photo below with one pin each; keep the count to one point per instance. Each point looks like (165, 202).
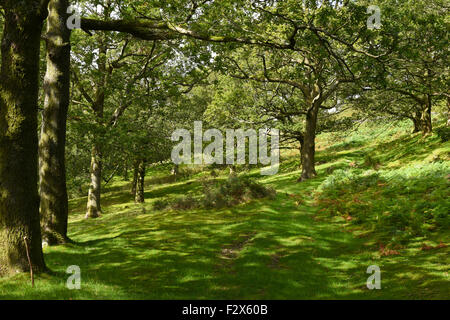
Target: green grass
(266, 249)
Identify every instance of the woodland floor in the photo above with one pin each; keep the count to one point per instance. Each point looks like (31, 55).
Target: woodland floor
(266, 249)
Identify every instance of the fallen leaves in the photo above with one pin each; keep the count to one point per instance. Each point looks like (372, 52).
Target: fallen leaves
(426, 247)
(385, 251)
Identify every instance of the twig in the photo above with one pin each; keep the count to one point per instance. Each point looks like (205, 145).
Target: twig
(29, 261)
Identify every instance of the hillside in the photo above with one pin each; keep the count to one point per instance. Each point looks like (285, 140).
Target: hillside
(381, 198)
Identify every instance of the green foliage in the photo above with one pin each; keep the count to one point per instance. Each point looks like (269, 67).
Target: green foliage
(396, 205)
(391, 187)
(370, 161)
(443, 133)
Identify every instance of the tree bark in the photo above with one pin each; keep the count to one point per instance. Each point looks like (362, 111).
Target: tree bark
(140, 183)
(19, 81)
(135, 179)
(426, 124)
(300, 139)
(53, 189)
(308, 148)
(93, 206)
(416, 119)
(94, 195)
(125, 172)
(448, 111)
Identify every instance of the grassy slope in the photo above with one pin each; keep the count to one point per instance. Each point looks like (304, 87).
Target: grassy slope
(267, 249)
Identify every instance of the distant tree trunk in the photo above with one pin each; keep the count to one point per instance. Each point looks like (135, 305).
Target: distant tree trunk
(135, 179)
(53, 189)
(426, 116)
(125, 172)
(93, 205)
(140, 183)
(175, 170)
(19, 80)
(308, 148)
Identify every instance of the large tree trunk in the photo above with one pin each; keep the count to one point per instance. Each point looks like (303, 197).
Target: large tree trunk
(308, 148)
(53, 190)
(140, 183)
(93, 205)
(19, 81)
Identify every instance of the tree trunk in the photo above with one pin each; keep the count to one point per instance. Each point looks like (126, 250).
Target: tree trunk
(301, 141)
(135, 179)
(140, 183)
(175, 170)
(448, 111)
(416, 119)
(19, 81)
(426, 117)
(93, 205)
(308, 148)
(53, 189)
(125, 172)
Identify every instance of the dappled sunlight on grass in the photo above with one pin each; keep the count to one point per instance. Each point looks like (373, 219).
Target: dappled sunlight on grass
(281, 248)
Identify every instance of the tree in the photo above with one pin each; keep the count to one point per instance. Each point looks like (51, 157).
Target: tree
(52, 168)
(114, 53)
(19, 199)
(316, 67)
(414, 77)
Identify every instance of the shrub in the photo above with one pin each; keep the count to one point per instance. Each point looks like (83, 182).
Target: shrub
(371, 162)
(160, 204)
(213, 198)
(443, 133)
(233, 191)
(220, 194)
(214, 173)
(184, 203)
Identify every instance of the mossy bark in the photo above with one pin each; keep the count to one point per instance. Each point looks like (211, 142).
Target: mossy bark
(52, 170)
(308, 147)
(19, 81)
(93, 204)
